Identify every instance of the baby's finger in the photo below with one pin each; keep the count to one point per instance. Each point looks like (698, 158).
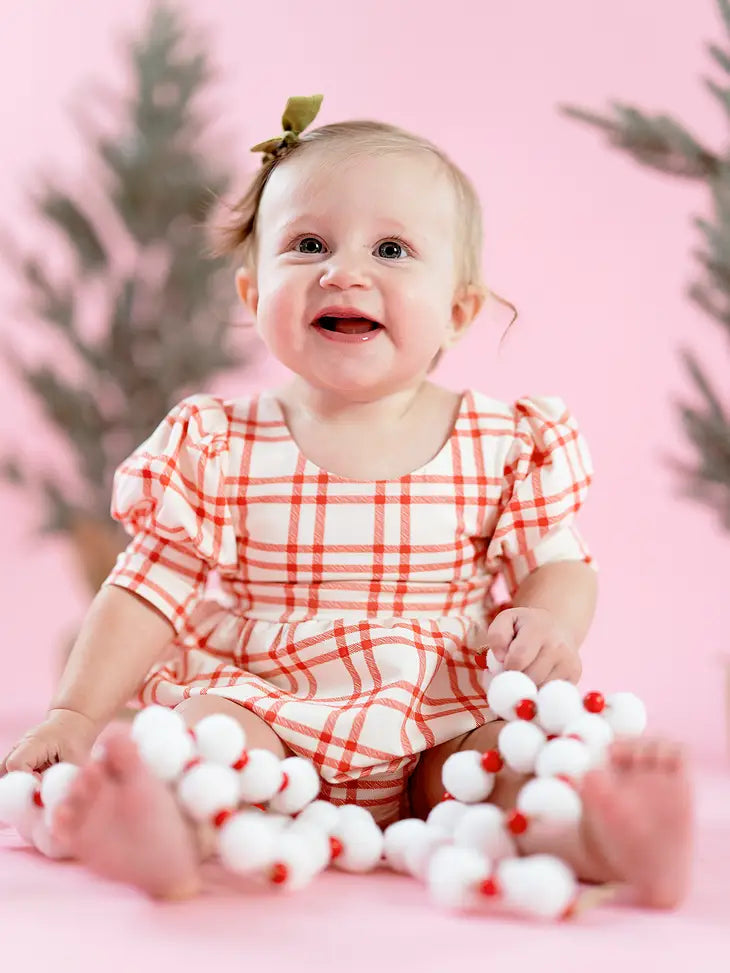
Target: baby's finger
(540, 671)
(522, 652)
(569, 668)
(501, 632)
(29, 757)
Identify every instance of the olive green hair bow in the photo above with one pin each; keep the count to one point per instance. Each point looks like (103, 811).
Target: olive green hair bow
(300, 112)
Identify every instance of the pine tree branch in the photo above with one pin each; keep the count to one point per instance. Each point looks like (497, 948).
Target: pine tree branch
(60, 209)
(656, 141)
(724, 6)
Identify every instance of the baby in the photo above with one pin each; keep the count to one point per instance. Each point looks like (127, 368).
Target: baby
(356, 522)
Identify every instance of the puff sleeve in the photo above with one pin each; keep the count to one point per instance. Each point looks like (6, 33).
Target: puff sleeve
(171, 495)
(547, 471)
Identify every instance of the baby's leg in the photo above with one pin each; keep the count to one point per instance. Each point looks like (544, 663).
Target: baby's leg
(125, 824)
(636, 825)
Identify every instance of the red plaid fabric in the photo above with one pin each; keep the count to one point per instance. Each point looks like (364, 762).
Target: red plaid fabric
(347, 614)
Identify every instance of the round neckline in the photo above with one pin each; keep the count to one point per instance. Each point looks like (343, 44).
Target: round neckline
(420, 470)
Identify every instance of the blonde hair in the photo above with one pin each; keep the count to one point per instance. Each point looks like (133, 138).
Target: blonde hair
(236, 233)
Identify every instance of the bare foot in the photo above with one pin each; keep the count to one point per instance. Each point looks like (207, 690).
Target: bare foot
(124, 824)
(638, 820)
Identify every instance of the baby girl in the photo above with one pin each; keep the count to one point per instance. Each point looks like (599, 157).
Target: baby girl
(321, 561)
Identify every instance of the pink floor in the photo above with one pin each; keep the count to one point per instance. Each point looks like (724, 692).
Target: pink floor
(55, 917)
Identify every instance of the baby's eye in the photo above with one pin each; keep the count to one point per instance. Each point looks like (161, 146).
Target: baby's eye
(309, 244)
(391, 250)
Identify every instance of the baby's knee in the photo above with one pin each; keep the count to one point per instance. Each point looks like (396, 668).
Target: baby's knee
(259, 734)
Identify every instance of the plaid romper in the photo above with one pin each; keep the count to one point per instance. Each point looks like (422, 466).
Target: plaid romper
(349, 615)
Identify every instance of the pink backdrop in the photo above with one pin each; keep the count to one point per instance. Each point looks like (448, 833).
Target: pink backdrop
(594, 250)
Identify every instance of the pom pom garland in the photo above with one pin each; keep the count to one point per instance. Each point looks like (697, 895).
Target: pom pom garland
(512, 695)
(465, 778)
(484, 828)
(221, 740)
(549, 799)
(538, 885)
(520, 743)
(209, 792)
(18, 791)
(625, 714)
(563, 757)
(558, 703)
(269, 826)
(300, 786)
(261, 777)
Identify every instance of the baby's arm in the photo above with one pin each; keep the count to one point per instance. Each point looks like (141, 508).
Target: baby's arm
(121, 637)
(550, 616)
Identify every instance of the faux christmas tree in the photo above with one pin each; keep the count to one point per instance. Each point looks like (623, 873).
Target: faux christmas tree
(658, 141)
(165, 328)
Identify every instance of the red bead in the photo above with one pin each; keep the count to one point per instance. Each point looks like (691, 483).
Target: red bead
(241, 762)
(570, 910)
(492, 761)
(526, 709)
(221, 817)
(594, 702)
(284, 782)
(481, 660)
(279, 873)
(553, 736)
(37, 799)
(516, 822)
(336, 848)
(447, 796)
(190, 764)
(489, 886)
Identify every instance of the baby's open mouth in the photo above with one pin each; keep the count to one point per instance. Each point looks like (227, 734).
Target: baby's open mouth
(346, 325)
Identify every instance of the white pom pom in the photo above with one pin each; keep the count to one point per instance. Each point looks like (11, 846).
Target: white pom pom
(508, 689)
(563, 757)
(165, 751)
(220, 739)
(558, 703)
(55, 785)
(519, 744)
(296, 861)
(247, 842)
(595, 732)
(17, 789)
(483, 828)
(318, 842)
(445, 815)
(397, 840)
(421, 850)
(625, 714)
(261, 777)
(539, 885)
(361, 840)
(465, 779)
(207, 789)
(455, 875)
(301, 786)
(42, 838)
(156, 719)
(322, 815)
(549, 799)
(493, 663)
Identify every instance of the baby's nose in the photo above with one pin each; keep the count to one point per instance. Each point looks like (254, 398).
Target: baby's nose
(343, 272)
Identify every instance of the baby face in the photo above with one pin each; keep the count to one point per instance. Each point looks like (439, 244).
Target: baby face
(356, 268)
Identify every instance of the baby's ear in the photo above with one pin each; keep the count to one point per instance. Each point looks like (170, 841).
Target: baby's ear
(247, 290)
(468, 302)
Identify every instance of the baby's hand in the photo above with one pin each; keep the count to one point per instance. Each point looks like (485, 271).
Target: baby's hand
(63, 735)
(533, 641)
